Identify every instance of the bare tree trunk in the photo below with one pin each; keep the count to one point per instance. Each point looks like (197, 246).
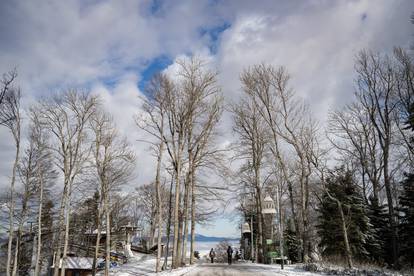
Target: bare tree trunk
(345, 234)
(153, 223)
(391, 212)
(304, 204)
(11, 211)
(16, 254)
(26, 196)
(176, 215)
(280, 224)
(180, 236)
(193, 215)
(168, 226)
(59, 234)
(185, 220)
(98, 236)
(259, 227)
(108, 232)
(159, 205)
(39, 228)
(66, 237)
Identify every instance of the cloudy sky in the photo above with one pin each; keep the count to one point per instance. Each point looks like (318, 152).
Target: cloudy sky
(113, 47)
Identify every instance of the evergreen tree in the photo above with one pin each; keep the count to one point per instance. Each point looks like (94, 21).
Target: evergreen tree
(379, 243)
(407, 220)
(342, 187)
(291, 242)
(407, 207)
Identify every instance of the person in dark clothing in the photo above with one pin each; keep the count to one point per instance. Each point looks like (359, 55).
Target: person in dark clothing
(212, 255)
(229, 254)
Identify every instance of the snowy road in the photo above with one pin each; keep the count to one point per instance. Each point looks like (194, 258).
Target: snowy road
(143, 265)
(244, 269)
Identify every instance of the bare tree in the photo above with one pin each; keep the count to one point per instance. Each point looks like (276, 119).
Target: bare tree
(291, 130)
(7, 84)
(172, 103)
(44, 173)
(10, 117)
(404, 70)
(26, 172)
(182, 115)
(114, 162)
(352, 134)
(153, 123)
(377, 83)
(204, 108)
(65, 116)
(253, 139)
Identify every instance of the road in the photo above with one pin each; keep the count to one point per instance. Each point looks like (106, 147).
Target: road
(244, 269)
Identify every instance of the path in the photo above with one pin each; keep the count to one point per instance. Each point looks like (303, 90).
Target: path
(244, 269)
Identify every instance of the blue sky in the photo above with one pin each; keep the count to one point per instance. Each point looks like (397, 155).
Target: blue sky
(114, 47)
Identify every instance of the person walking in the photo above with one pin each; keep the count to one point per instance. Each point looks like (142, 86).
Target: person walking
(229, 254)
(212, 255)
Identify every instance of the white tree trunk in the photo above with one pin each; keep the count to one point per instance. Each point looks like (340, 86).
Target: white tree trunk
(193, 216)
(108, 232)
(11, 211)
(176, 218)
(66, 239)
(98, 237)
(159, 206)
(39, 230)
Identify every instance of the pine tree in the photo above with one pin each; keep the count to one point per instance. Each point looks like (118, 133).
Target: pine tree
(407, 220)
(379, 243)
(406, 209)
(291, 242)
(342, 187)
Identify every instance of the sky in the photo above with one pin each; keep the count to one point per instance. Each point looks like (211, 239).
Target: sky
(112, 48)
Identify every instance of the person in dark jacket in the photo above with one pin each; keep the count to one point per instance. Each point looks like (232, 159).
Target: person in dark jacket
(212, 255)
(229, 254)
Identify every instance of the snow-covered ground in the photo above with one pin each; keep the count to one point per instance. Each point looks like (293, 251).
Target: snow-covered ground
(142, 264)
(245, 269)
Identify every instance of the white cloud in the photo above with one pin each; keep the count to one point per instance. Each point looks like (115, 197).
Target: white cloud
(316, 44)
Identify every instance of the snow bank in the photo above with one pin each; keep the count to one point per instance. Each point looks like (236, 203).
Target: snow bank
(142, 264)
(331, 269)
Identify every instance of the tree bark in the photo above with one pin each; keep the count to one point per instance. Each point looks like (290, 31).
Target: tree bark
(26, 196)
(193, 215)
(159, 205)
(11, 211)
(39, 227)
(345, 234)
(108, 232)
(176, 214)
(185, 216)
(280, 224)
(98, 236)
(168, 227)
(66, 237)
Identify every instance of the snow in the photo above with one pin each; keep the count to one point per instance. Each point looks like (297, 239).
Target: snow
(141, 264)
(77, 263)
(244, 269)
